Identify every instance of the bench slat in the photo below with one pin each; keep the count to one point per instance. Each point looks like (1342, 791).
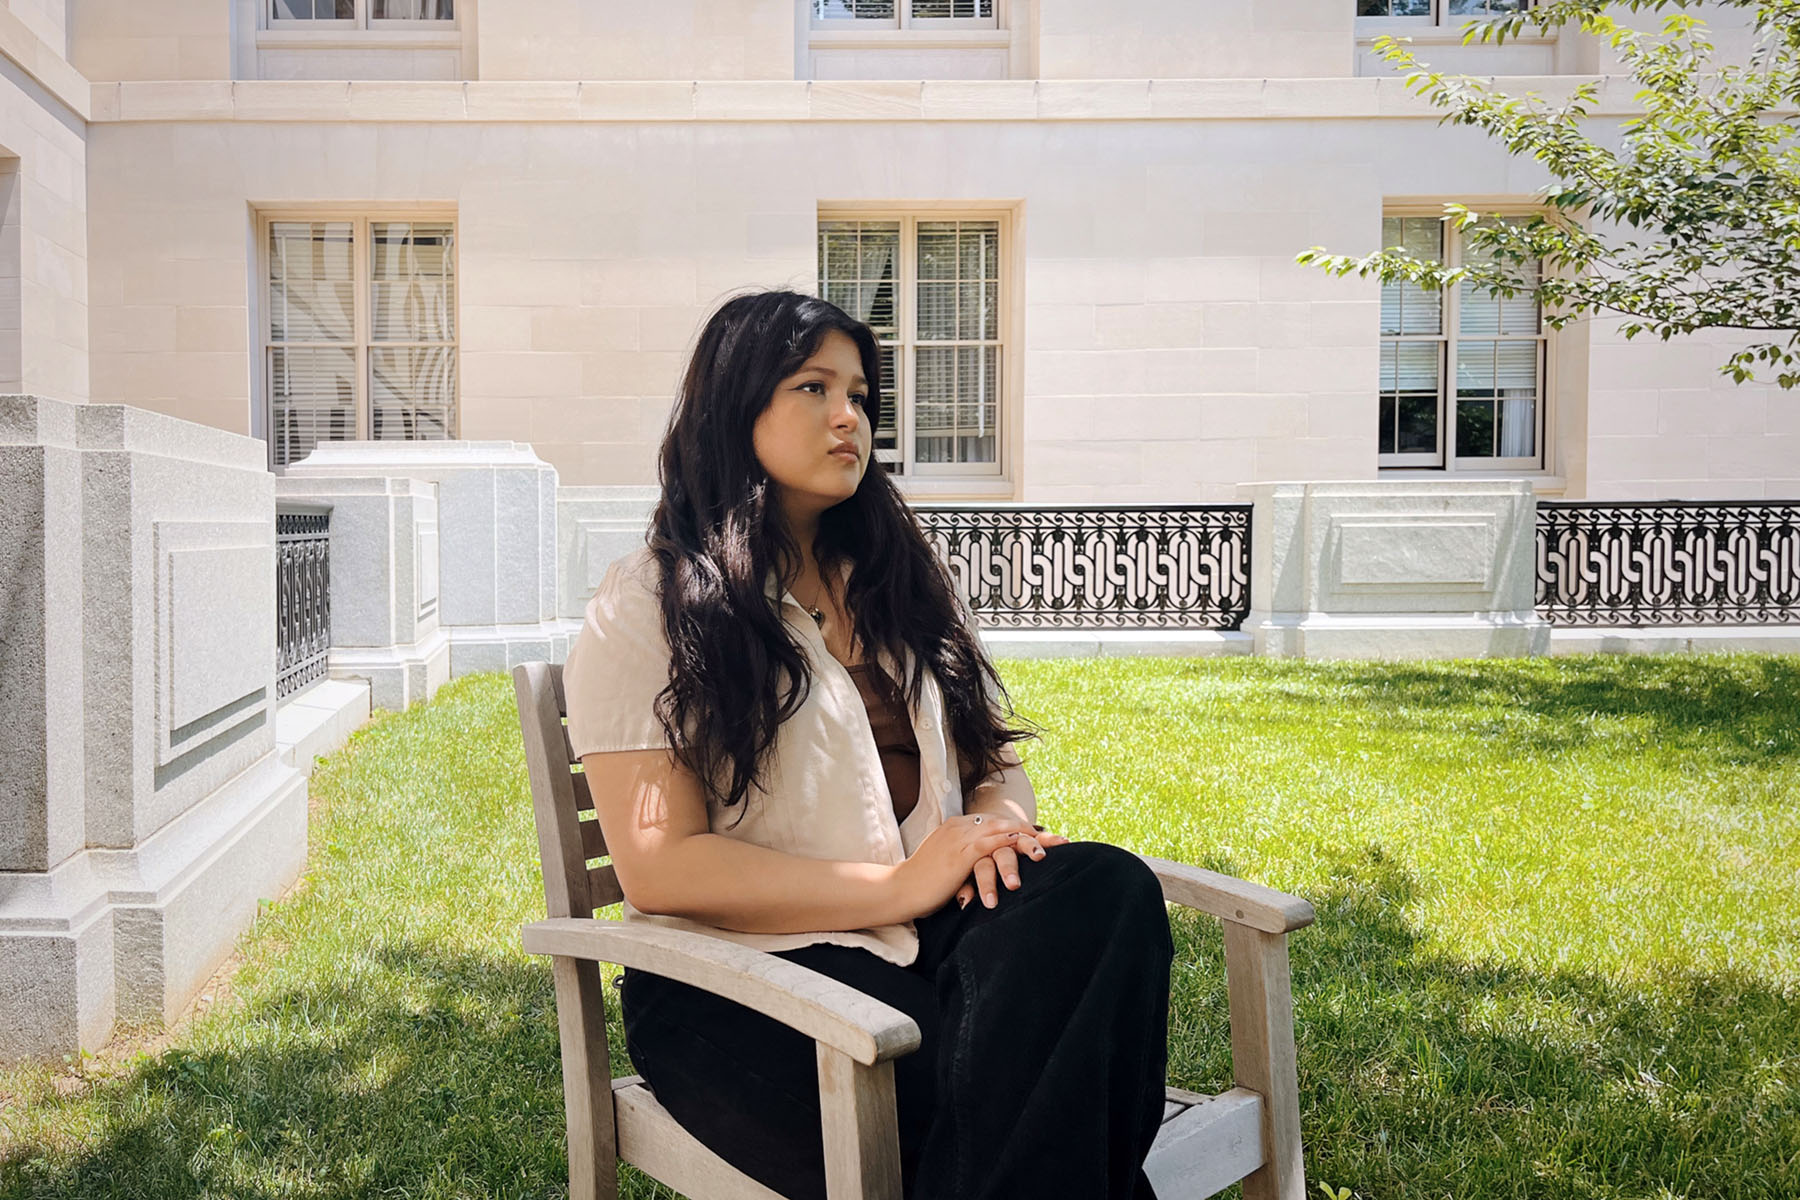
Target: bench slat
(593, 843)
(603, 886)
(1207, 1146)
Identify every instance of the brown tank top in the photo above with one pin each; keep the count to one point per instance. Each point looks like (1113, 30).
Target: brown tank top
(894, 737)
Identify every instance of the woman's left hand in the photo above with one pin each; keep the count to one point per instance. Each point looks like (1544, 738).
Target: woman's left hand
(1003, 864)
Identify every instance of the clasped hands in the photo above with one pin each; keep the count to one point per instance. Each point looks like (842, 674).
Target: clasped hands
(970, 854)
(1002, 864)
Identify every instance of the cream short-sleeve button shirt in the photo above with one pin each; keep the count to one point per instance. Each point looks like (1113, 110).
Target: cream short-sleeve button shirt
(825, 794)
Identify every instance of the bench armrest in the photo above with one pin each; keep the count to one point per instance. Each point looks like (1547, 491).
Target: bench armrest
(832, 1013)
(1230, 899)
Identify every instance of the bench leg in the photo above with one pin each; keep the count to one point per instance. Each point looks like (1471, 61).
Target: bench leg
(862, 1131)
(587, 1079)
(1262, 1055)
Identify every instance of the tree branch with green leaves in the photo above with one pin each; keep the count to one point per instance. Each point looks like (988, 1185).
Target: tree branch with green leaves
(1686, 218)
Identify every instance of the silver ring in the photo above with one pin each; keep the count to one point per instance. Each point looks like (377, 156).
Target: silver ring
(978, 818)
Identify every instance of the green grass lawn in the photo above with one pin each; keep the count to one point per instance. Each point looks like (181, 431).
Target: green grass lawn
(1557, 953)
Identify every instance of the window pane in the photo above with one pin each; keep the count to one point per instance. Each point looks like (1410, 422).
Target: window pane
(843, 10)
(1486, 314)
(837, 254)
(858, 261)
(959, 263)
(1407, 307)
(1393, 8)
(412, 392)
(937, 249)
(859, 264)
(411, 10)
(929, 9)
(1515, 367)
(1485, 8)
(934, 395)
(1475, 428)
(1518, 427)
(1497, 382)
(1411, 366)
(887, 433)
(314, 10)
(1475, 369)
(958, 395)
(311, 292)
(1416, 424)
(937, 312)
(1409, 392)
(312, 397)
(412, 284)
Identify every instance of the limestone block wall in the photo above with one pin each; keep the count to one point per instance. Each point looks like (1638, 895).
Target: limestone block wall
(151, 39)
(1151, 277)
(47, 19)
(1160, 344)
(671, 39)
(1664, 424)
(43, 210)
(1179, 39)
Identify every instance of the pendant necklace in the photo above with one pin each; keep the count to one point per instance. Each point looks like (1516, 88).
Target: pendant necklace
(817, 615)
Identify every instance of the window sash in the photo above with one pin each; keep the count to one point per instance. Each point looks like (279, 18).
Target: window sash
(903, 14)
(1437, 14)
(396, 378)
(903, 456)
(1460, 349)
(362, 15)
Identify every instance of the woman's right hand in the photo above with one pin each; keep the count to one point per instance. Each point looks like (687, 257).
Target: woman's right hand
(930, 876)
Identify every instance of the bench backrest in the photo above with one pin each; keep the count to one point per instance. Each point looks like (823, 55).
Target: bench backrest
(570, 845)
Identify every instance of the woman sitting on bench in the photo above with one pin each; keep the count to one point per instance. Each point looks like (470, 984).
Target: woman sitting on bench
(792, 737)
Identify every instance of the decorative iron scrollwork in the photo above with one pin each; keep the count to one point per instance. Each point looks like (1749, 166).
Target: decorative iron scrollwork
(1096, 566)
(1670, 562)
(302, 597)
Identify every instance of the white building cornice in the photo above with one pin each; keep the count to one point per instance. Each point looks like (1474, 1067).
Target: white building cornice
(803, 100)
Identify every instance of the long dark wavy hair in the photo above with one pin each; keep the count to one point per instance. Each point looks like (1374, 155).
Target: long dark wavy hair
(736, 670)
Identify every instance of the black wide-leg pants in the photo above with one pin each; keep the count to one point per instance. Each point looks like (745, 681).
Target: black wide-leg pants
(1044, 1051)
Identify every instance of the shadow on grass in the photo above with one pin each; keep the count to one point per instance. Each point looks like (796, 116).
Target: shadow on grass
(1420, 1076)
(322, 1092)
(1743, 710)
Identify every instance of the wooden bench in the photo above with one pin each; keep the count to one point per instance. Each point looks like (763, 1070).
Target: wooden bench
(1251, 1132)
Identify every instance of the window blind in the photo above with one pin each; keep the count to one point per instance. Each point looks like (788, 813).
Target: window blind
(926, 10)
(845, 10)
(314, 10)
(957, 390)
(859, 271)
(412, 306)
(311, 302)
(412, 10)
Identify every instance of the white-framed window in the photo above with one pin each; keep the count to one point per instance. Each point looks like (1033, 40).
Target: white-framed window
(1464, 375)
(904, 14)
(1412, 13)
(357, 14)
(931, 287)
(359, 338)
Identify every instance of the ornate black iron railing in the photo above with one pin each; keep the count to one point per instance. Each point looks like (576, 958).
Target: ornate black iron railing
(302, 595)
(1668, 562)
(1029, 566)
